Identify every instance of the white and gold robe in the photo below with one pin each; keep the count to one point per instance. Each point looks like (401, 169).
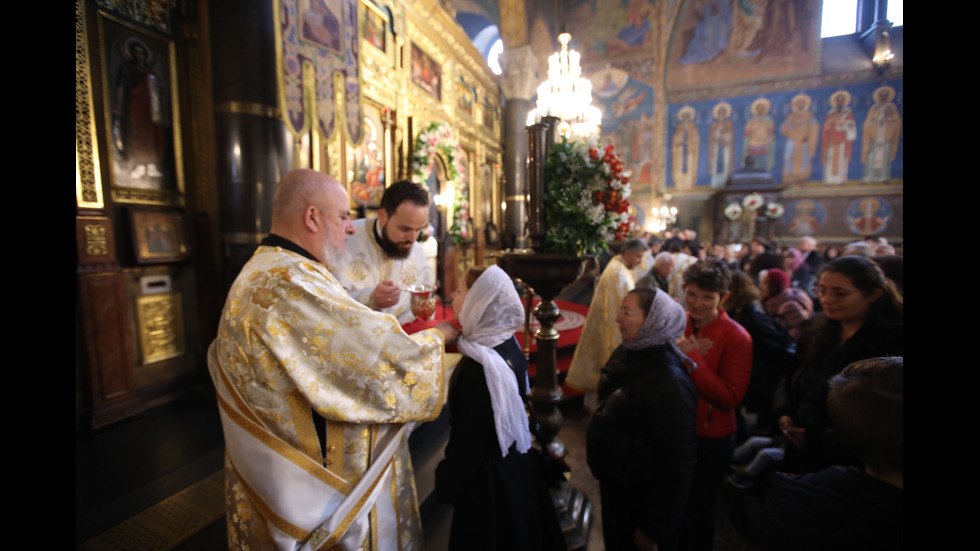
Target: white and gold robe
(600, 336)
(369, 266)
(291, 339)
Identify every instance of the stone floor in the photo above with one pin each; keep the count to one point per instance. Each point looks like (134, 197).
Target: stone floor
(160, 474)
(572, 435)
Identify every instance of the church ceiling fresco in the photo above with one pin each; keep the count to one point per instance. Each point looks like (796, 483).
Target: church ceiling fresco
(721, 41)
(610, 29)
(626, 103)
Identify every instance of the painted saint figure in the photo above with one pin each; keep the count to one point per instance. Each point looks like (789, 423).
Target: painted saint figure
(140, 116)
(684, 147)
(637, 31)
(721, 145)
(804, 222)
(839, 133)
(759, 135)
(880, 140)
(747, 19)
(873, 217)
(321, 25)
(801, 131)
(714, 24)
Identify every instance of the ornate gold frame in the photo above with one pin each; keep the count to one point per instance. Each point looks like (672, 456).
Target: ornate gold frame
(373, 11)
(385, 120)
(111, 31)
(158, 235)
(161, 326)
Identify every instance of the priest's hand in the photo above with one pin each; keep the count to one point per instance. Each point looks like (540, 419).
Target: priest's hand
(449, 332)
(386, 294)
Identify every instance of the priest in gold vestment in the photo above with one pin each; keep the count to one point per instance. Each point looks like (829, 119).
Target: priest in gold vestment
(601, 335)
(317, 391)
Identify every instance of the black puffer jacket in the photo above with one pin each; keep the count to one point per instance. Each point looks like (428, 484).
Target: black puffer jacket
(641, 441)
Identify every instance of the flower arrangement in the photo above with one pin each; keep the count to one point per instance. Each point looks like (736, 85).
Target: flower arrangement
(586, 198)
(752, 201)
(438, 138)
(733, 211)
(460, 229)
(774, 210)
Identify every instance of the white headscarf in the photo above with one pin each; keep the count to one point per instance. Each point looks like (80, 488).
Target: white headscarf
(491, 313)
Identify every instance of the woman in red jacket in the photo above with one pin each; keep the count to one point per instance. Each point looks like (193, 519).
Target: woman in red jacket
(722, 350)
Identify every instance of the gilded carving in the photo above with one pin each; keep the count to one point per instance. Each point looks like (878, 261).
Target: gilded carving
(155, 14)
(88, 182)
(96, 240)
(161, 326)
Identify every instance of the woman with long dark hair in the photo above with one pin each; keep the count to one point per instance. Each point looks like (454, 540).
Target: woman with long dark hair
(862, 318)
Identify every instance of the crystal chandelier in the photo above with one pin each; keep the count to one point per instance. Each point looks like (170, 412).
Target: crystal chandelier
(566, 95)
(663, 217)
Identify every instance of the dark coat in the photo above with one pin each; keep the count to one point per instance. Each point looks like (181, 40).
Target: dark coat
(641, 443)
(838, 508)
(808, 390)
(500, 503)
(773, 350)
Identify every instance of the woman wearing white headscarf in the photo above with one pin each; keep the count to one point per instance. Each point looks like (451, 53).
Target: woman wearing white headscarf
(641, 442)
(491, 474)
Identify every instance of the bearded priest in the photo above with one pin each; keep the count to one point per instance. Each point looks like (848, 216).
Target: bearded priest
(386, 255)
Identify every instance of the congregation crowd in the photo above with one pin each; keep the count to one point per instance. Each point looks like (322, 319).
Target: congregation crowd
(320, 382)
(767, 376)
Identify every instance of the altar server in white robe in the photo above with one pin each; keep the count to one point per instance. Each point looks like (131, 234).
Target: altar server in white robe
(317, 391)
(386, 255)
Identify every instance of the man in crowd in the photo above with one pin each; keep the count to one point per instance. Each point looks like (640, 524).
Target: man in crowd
(682, 261)
(385, 253)
(601, 336)
(811, 256)
(659, 275)
(317, 391)
(813, 261)
(646, 263)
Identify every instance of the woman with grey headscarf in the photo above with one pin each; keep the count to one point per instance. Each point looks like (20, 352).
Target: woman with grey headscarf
(641, 443)
(491, 473)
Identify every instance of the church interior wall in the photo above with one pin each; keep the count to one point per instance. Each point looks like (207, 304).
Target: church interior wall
(649, 62)
(628, 50)
(145, 319)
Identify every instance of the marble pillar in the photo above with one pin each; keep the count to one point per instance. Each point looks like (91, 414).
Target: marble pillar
(252, 145)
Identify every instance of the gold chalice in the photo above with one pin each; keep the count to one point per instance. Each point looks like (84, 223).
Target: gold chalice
(423, 300)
